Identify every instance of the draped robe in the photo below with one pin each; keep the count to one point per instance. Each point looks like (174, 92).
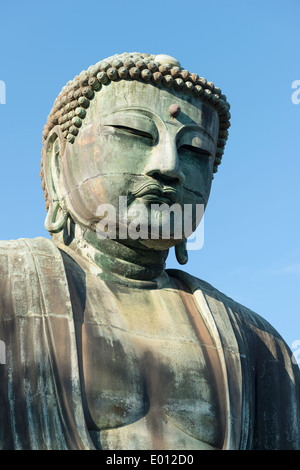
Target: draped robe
(40, 392)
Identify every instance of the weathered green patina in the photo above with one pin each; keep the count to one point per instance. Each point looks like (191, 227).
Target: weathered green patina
(105, 348)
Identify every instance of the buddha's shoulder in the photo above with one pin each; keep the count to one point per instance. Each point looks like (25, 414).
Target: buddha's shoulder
(221, 304)
(23, 247)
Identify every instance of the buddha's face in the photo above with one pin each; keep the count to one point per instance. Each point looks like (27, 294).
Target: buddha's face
(130, 145)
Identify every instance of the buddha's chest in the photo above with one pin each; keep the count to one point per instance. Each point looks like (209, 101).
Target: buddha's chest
(151, 375)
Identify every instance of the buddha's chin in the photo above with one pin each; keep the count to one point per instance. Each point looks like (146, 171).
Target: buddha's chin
(158, 245)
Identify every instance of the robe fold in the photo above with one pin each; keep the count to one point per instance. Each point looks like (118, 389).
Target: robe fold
(40, 392)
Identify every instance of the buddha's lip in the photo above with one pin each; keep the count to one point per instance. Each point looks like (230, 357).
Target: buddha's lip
(167, 194)
(153, 198)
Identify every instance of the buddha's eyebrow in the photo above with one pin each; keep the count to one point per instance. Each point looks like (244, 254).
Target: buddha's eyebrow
(126, 113)
(130, 110)
(131, 119)
(195, 128)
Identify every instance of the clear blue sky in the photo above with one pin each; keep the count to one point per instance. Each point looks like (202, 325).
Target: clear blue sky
(251, 50)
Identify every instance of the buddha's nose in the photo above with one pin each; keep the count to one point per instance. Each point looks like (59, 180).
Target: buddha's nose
(164, 164)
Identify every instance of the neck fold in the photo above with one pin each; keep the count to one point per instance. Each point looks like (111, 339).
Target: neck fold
(131, 265)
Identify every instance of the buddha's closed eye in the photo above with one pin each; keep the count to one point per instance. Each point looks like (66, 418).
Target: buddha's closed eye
(132, 124)
(134, 131)
(196, 150)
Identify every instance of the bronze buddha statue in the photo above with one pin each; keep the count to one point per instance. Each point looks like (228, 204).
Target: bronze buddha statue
(105, 348)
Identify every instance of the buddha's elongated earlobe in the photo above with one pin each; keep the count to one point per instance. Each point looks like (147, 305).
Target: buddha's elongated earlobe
(53, 225)
(181, 252)
(57, 214)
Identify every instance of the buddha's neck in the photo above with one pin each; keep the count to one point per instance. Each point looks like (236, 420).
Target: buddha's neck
(117, 262)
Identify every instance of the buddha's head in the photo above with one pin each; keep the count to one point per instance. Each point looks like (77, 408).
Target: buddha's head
(137, 126)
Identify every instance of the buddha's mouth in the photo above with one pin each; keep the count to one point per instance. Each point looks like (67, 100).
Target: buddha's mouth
(153, 192)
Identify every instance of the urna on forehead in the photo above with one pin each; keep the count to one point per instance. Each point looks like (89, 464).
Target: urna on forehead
(163, 71)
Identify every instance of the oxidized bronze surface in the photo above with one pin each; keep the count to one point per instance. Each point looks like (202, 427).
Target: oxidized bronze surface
(105, 348)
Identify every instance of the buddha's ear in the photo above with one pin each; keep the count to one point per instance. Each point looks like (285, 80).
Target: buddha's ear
(53, 150)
